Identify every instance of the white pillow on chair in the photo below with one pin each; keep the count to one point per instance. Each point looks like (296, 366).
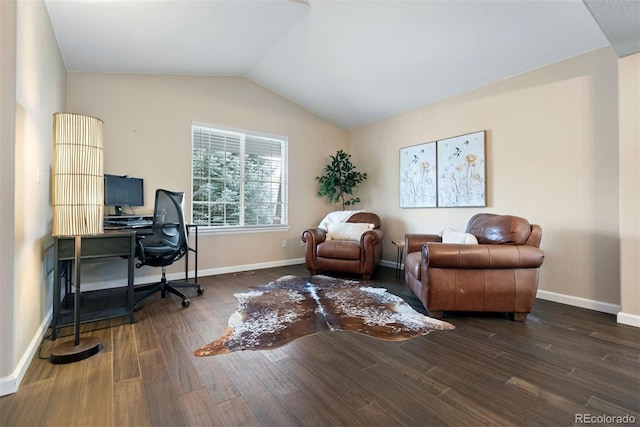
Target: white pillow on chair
(450, 235)
(346, 230)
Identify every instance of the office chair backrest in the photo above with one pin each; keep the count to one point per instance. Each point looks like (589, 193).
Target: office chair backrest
(169, 225)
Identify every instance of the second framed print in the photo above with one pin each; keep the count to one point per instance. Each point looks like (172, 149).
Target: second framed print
(462, 171)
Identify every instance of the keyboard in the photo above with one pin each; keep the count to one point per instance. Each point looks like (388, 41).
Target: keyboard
(127, 222)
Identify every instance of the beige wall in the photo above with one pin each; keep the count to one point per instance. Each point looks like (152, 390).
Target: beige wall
(552, 157)
(39, 92)
(629, 90)
(7, 190)
(147, 122)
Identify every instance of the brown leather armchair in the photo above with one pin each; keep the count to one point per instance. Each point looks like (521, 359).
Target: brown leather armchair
(499, 274)
(348, 256)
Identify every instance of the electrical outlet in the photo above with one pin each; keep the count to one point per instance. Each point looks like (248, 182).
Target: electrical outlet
(284, 243)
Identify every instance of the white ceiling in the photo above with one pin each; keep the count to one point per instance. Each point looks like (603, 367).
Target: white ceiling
(349, 61)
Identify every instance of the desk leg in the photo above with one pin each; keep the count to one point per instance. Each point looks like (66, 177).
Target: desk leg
(130, 274)
(195, 252)
(56, 298)
(399, 271)
(196, 256)
(186, 264)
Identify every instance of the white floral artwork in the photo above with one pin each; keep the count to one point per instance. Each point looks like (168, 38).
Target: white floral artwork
(461, 171)
(418, 176)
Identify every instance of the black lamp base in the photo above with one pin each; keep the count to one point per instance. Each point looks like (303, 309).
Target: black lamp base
(68, 352)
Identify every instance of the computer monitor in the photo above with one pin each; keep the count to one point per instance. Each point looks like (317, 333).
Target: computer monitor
(122, 191)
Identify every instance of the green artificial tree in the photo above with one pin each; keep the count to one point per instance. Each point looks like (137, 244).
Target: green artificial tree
(340, 179)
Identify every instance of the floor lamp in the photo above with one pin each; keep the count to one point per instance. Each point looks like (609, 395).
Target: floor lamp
(78, 207)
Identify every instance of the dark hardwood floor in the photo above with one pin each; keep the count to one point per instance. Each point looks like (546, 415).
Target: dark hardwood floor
(561, 367)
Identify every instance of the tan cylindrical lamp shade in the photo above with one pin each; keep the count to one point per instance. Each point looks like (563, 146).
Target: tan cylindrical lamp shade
(78, 177)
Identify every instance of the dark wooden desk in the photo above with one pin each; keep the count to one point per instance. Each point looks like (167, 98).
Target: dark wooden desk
(116, 243)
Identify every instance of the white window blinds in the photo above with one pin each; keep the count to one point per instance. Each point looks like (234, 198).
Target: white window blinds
(239, 178)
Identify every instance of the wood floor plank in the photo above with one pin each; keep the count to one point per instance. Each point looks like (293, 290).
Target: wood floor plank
(304, 410)
(29, 406)
(125, 354)
(439, 354)
(614, 388)
(236, 412)
(184, 376)
(62, 407)
(491, 395)
(549, 379)
(96, 396)
(267, 373)
(40, 368)
(200, 409)
(473, 408)
(547, 398)
(130, 405)
(333, 373)
(213, 376)
(161, 397)
(177, 318)
(373, 415)
(144, 333)
(602, 406)
(313, 405)
(422, 401)
(259, 398)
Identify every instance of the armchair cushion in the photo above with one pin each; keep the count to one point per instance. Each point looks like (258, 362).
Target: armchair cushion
(339, 249)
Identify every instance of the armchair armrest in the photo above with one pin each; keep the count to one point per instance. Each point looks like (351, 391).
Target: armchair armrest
(314, 236)
(371, 237)
(445, 255)
(415, 242)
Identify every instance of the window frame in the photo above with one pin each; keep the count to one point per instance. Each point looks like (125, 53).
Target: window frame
(243, 134)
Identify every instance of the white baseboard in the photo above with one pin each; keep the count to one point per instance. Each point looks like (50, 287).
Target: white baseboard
(628, 319)
(10, 384)
(604, 307)
(150, 278)
(390, 264)
(248, 267)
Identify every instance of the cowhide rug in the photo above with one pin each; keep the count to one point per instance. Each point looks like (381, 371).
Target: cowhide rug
(272, 315)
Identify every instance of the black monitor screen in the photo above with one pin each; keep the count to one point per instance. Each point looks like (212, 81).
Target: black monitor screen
(122, 191)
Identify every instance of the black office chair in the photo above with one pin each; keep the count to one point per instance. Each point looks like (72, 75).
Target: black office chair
(167, 244)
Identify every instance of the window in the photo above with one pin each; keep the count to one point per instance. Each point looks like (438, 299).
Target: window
(239, 179)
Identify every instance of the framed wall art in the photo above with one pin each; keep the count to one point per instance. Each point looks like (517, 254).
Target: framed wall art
(418, 177)
(462, 171)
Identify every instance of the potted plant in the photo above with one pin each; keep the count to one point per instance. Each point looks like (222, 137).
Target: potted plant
(340, 179)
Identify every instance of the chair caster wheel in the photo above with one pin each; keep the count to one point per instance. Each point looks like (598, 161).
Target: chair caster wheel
(185, 303)
(200, 290)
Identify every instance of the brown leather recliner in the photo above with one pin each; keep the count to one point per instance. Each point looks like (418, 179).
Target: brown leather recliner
(348, 256)
(499, 274)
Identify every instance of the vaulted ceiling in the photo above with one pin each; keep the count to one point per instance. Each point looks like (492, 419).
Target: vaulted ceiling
(349, 61)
